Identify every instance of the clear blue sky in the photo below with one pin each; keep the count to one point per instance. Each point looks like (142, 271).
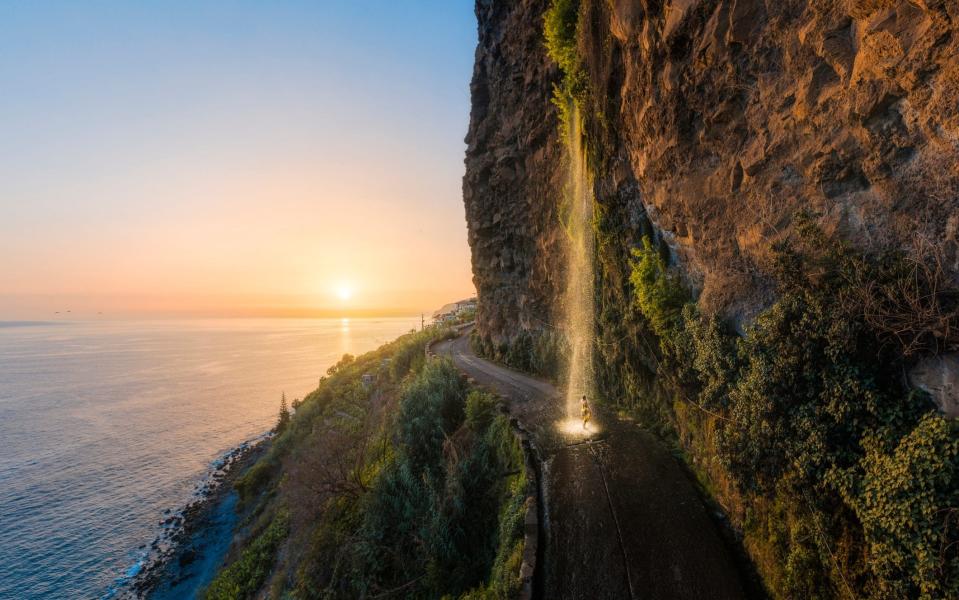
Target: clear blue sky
(165, 156)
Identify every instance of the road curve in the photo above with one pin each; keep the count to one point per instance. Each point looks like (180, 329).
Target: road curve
(620, 518)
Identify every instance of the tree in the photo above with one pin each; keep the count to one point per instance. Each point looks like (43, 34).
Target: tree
(284, 418)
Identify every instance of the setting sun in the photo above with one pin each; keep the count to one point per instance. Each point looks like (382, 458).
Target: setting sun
(344, 291)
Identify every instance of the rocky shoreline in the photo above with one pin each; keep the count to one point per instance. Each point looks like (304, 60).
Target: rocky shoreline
(181, 540)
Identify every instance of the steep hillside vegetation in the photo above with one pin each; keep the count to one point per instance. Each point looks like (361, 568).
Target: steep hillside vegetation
(777, 191)
(407, 484)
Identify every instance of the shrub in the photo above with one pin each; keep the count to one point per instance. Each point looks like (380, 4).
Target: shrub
(849, 476)
(660, 294)
(480, 410)
(560, 29)
(560, 24)
(431, 410)
(255, 479)
(344, 362)
(443, 510)
(243, 578)
(410, 356)
(549, 358)
(907, 498)
(520, 353)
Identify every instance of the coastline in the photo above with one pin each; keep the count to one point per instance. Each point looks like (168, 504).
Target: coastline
(190, 544)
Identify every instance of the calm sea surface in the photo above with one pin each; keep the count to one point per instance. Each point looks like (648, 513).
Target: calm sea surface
(105, 425)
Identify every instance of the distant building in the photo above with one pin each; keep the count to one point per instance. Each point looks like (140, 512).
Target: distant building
(452, 311)
(367, 380)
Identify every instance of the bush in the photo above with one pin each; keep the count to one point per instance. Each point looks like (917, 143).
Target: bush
(907, 498)
(480, 410)
(560, 29)
(410, 356)
(441, 517)
(849, 477)
(660, 294)
(432, 409)
(255, 479)
(520, 353)
(243, 578)
(560, 24)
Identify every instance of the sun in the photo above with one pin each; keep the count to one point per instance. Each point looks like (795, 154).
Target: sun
(344, 291)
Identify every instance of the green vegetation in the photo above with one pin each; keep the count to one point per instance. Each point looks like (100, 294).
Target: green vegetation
(435, 516)
(660, 293)
(537, 352)
(845, 481)
(255, 478)
(560, 27)
(413, 486)
(245, 576)
(283, 418)
(466, 316)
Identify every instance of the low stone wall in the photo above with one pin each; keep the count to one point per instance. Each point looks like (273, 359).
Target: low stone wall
(531, 523)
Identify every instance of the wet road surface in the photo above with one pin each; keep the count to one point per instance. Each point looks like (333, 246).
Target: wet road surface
(621, 518)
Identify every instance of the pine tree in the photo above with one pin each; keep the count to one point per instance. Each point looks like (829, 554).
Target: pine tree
(284, 419)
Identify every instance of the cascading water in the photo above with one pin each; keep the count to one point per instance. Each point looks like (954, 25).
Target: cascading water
(579, 321)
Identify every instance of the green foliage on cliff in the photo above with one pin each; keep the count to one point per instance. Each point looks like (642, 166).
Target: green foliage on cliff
(560, 30)
(411, 486)
(244, 577)
(255, 479)
(435, 516)
(540, 352)
(660, 294)
(846, 481)
(559, 27)
(906, 495)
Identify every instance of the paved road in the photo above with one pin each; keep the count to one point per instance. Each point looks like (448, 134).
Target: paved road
(621, 518)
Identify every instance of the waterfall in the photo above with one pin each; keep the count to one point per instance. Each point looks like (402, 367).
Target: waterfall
(578, 299)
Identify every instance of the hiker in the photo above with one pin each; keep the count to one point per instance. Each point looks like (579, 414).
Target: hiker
(586, 413)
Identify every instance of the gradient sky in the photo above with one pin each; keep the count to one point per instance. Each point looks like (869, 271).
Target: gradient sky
(232, 157)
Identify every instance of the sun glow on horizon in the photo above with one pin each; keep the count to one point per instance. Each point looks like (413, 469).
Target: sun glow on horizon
(241, 195)
(344, 291)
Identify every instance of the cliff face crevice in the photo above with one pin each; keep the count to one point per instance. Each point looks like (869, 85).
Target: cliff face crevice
(513, 172)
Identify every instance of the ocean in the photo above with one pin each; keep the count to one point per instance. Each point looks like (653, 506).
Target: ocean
(106, 425)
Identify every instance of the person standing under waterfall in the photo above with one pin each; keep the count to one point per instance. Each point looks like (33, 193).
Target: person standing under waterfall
(586, 413)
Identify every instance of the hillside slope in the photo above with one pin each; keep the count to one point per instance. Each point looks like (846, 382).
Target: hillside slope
(392, 479)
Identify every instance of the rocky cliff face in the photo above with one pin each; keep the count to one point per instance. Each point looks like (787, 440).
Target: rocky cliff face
(513, 171)
(718, 120)
(733, 115)
(716, 129)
